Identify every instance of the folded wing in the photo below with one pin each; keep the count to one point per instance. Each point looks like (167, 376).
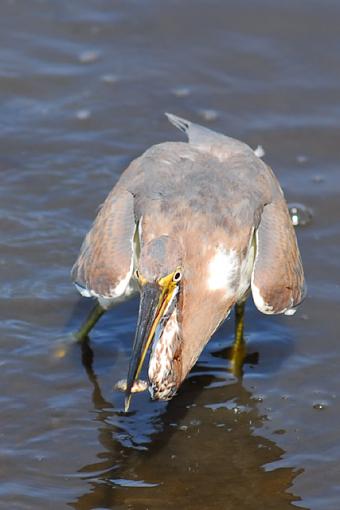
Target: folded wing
(277, 279)
(105, 264)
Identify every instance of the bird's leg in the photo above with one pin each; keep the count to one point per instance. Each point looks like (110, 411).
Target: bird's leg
(93, 317)
(239, 349)
(239, 323)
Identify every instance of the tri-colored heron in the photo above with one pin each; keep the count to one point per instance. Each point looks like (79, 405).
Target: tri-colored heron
(194, 227)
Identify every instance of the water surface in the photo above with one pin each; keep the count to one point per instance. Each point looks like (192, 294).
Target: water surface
(83, 86)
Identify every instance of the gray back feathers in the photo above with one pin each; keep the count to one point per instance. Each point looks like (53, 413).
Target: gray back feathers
(213, 187)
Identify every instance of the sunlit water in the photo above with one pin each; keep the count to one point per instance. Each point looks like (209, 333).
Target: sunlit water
(83, 87)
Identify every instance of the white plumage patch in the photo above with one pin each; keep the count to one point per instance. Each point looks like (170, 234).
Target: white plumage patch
(121, 292)
(264, 307)
(259, 301)
(121, 287)
(83, 290)
(259, 151)
(222, 270)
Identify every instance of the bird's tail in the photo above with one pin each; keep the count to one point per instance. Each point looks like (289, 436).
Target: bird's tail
(203, 137)
(178, 122)
(197, 134)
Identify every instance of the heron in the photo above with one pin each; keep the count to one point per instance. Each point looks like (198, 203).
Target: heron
(194, 227)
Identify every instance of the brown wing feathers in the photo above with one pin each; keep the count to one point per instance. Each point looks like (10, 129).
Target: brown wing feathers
(278, 279)
(106, 254)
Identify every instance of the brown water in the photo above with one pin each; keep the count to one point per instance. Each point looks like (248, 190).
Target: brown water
(83, 85)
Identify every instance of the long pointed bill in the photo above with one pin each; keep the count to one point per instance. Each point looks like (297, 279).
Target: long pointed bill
(153, 304)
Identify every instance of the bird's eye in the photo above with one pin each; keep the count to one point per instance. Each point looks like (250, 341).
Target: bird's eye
(137, 274)
(177, 276)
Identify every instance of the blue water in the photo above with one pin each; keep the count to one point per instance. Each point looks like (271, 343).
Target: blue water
(83, 88)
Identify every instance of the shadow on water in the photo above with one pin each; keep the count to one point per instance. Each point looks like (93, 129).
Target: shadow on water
(204, 446)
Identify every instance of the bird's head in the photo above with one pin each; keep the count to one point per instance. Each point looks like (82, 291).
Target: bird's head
(185, 294)
(159, 273)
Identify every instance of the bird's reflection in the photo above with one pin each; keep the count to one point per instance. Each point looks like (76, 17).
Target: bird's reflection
(205, 450)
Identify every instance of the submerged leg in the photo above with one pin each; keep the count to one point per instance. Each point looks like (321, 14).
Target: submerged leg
(238, 350)
(93, 317)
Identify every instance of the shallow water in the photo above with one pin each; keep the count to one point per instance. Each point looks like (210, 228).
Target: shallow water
(83, 86)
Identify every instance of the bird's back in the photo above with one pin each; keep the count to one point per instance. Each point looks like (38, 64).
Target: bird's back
(209, 193)
(181, 180)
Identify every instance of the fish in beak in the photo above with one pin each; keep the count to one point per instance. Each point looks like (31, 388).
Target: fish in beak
(156, 300)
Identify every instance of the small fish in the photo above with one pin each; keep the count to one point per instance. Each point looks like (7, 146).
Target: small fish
(138, 386)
